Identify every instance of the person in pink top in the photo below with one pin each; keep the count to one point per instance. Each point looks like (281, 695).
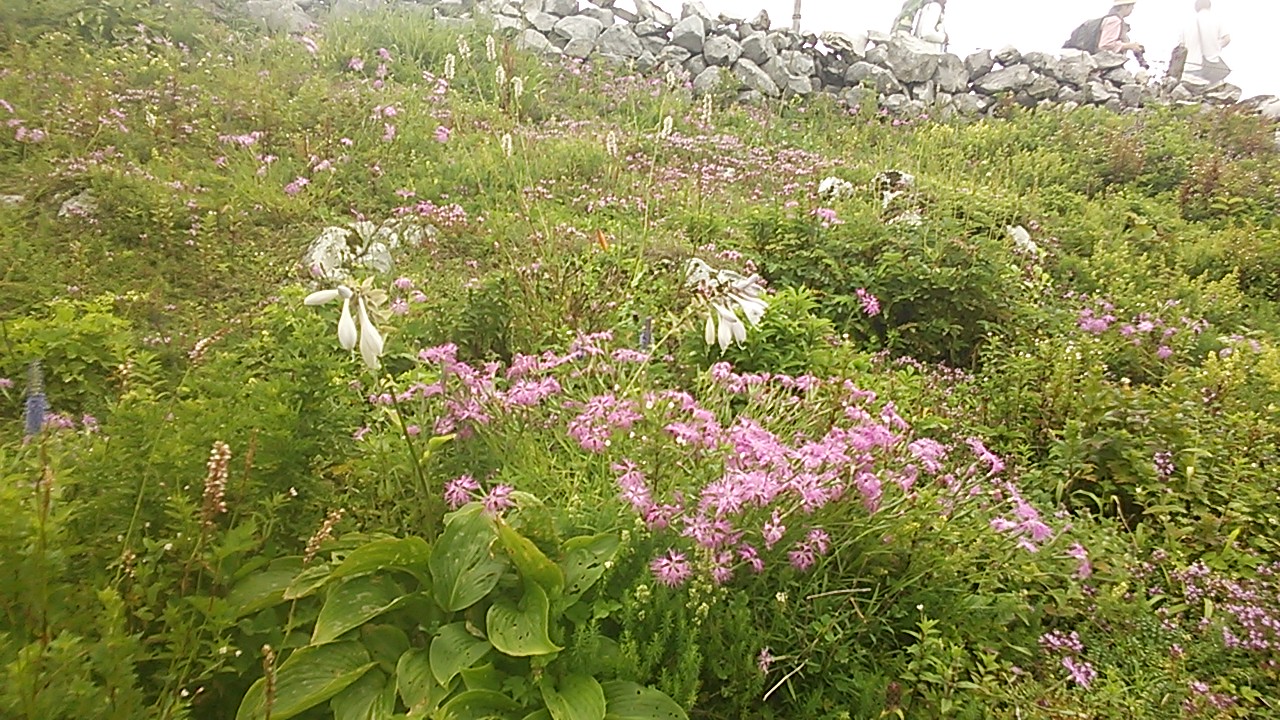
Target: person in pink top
(1115, 31)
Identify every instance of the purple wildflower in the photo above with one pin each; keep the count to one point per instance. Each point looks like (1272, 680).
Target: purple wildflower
(671, 569)
(498, 499)
(459, 491)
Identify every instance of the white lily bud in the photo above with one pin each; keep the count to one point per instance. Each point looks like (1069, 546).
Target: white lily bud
(346, 326)
(321, 297)
(370, 339)
(725, 332)
(345, 292)
(709, 333)
(753, 308)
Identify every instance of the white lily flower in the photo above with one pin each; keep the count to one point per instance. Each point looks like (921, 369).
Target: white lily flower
(726, 292)
(709, 333)
(320, 297)
(370, 339)
(753, 308)
(346, 326)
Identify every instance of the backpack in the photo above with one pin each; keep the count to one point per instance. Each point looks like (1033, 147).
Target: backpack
(1087, 36)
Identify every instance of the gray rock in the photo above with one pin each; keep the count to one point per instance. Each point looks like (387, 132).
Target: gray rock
(979, 64)
(1181, 94)
(580, 48)
(650, 28)
(761, 21)
(1042, 87)
(452, 8)
(542, 22)
(857, 97)
(281, 16)
(721, 51)
(673, 55)
(708, 81)
(1008, 55)
(1005, 79)
(882, 80)
(620, 40)
(82, 205)
(605, 17)
(12, 200)
(648, 11)
(798, 63)
(969, 104)
(754, 78)
(579, 27)
(1225, 93)
(953, 76)
(894, 103)
(1107, 60)
(1114, 105)
(1039, 62)
(507, 25)
(536, 42)
(563, 8)
(757, 48)
(656, 44)
(1097, 92)
(694, 8)
(1131, 95)
(625, 15)
(1271, 109)
(926, 92)
(783, 40)
(510, 9)
(690, 33)
(844, 45)
(647, 62)
(531, 5)
(1076, 70)
(878, 55)
(750, 97)
(696, 64)
(1119, 76)
(909, 66)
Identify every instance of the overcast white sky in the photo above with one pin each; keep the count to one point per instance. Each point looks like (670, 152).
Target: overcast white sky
(1254, 26)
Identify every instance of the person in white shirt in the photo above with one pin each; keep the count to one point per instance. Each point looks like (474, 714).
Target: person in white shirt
(929, 25)
(1204, 38)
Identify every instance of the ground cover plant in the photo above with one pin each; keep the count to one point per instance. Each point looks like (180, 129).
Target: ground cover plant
(658, 406)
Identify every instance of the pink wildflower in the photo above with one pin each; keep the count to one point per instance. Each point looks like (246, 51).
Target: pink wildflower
(671, 569)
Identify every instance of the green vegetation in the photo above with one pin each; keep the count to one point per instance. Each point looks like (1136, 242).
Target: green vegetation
(1004, 444)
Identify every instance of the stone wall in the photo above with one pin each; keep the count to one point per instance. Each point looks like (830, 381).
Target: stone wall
(759, 61)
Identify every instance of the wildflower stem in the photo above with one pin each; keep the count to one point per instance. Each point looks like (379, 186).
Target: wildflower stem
(432, 503)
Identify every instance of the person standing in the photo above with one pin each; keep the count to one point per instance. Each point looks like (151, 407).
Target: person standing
(1114, 31)
(924, 20)
(1204, 38)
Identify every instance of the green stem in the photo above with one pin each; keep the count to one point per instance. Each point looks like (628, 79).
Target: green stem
(432, 516)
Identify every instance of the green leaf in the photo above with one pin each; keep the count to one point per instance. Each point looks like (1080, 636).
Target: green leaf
(542, 714)
(577, 697)
(533, 565)
(584, 560)
(629, 701)
(453, 650)
(307, 678)
(522, 629)
(463, 568)
(260, 591)
(308, 581)
(385, 643)
(372, 697)
(410, 553)
(481, 705)
(418, 688)
(354, 603)
(483, 677)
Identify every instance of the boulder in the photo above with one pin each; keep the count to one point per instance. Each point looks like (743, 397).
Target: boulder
(750, 75)
(1008, 56)
(1106, 60)
(1225, 93)
(1039, 62)
(721, 51)
(798, 63)
(580, 48)
(579, 27)
(690, 33)
(695, 65)
(673, 55)
(1097, 92)
(1131, 95)
(542, 22)
(1075, 70)
(953, 76)
(969, 104)
(878, 55)
(651, 28)
(507, 25)
(605, 17)
(1042, 87)
(1005, 79)
(909, 66)
(979, 64)
(708, 81)
(655, 44)
(281, 16)
(1119, 76)
(757, 48)
(536, 42)
(761, 21)
(694, 8)
(882, 80)
(562, 8)
(648, 11)
(83, 205)
(621, 41)
(842, 44)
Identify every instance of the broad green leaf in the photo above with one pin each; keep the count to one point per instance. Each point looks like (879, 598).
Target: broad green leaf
(542, 714)
(463, 567)
(410, 553)
(372, 697)
(584, 560)
(483, 677)
(533, 565)
(522, 629)
(354, 603)
(385, 643)
(629, 701)
(418, 689)
(307, 678)
(481, 705)
(260, 591)
(312, 578)
(575, 697)
(453, 650)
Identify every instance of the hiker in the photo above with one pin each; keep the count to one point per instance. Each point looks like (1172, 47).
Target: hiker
(1108, 33)
(924, 20)
(1204, 38)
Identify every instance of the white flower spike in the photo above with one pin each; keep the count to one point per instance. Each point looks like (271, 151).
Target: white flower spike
(725, 293)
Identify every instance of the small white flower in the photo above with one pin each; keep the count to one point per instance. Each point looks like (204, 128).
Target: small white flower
(517, 88)
(668, 126)
(347, 332)
(500, 76)
(611, 144)
(508, 146)
(464, 48)
(490, 49)
(450, 67)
